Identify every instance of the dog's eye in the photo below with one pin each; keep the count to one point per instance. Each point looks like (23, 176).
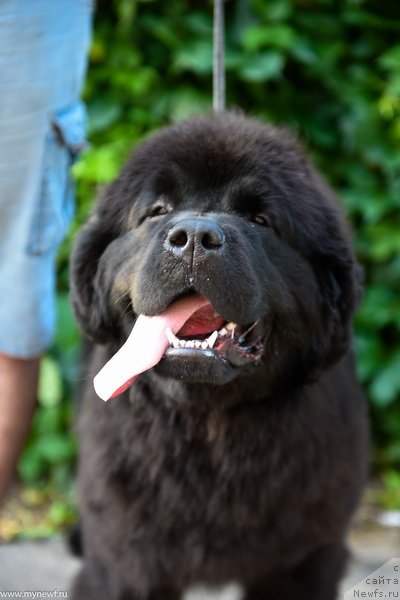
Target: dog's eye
(158, 210)
(261, 220)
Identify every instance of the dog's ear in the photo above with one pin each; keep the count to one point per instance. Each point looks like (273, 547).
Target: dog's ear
(86, 300)
(321, 233)
(339, 278)
(340, 282)
(86, 293)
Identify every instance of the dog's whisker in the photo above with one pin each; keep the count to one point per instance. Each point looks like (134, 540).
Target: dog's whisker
(121, 297)
(243, 336)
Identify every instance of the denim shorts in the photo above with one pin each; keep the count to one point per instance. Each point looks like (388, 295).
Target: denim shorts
(43, 55)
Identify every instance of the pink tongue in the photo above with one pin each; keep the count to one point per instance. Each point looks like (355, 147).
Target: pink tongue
(144, 347)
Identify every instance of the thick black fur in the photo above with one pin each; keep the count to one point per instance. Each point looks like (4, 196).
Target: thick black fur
(198, 475)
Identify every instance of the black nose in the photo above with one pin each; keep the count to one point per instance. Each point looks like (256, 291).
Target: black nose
(196, 236)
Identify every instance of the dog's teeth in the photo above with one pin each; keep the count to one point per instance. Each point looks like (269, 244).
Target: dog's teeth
(231, 328)
(211, 339)
(173, 340)
(223, 331)
(177, 343)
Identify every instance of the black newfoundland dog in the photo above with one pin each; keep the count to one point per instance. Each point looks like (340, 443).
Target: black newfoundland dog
(235, 449)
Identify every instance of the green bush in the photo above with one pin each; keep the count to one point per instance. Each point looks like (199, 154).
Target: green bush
(328, 70)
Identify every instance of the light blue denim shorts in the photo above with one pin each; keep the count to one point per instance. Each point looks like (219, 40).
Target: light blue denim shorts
(43, 55)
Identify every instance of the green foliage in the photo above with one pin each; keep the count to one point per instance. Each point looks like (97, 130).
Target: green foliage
(328, 70)
(389, 496)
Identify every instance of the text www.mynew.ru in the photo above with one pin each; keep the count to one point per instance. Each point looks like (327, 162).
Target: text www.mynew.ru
(34, 595)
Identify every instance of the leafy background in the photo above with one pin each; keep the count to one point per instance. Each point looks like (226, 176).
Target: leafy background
(328, 70)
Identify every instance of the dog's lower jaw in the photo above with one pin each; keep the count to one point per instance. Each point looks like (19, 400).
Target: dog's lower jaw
(196, 366)
(217, 358)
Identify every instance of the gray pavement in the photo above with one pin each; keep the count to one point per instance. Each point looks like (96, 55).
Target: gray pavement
(48, 566)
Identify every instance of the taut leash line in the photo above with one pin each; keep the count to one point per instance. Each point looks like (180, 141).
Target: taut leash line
(218, 57)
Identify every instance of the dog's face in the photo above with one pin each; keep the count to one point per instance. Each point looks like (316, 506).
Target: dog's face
(227, 209)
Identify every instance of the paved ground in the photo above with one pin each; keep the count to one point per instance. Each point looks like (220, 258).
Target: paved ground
(39, 566)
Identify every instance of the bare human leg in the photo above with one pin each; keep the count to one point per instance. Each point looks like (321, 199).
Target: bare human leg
(18, 393)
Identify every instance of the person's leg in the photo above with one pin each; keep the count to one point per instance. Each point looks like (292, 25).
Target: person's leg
(43, 50)
(18, 385)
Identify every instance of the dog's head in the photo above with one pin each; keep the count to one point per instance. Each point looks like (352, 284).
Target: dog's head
(228, 209)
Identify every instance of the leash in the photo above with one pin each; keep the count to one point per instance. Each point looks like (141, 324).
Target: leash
(218, 57)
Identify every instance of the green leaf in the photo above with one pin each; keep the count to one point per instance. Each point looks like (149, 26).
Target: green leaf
(48, 420)
(273, 10)
(385, 240)
(277, 36)
(386, 386)
(61, 514)
(55, 448)
(370, 355)
(101, 114)
(30, 465)
(262, 67)
(195, 57)
(50, 383)
(67, 332)
(99, 165)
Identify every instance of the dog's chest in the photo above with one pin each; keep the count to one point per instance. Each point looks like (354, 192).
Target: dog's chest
(209, 480)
